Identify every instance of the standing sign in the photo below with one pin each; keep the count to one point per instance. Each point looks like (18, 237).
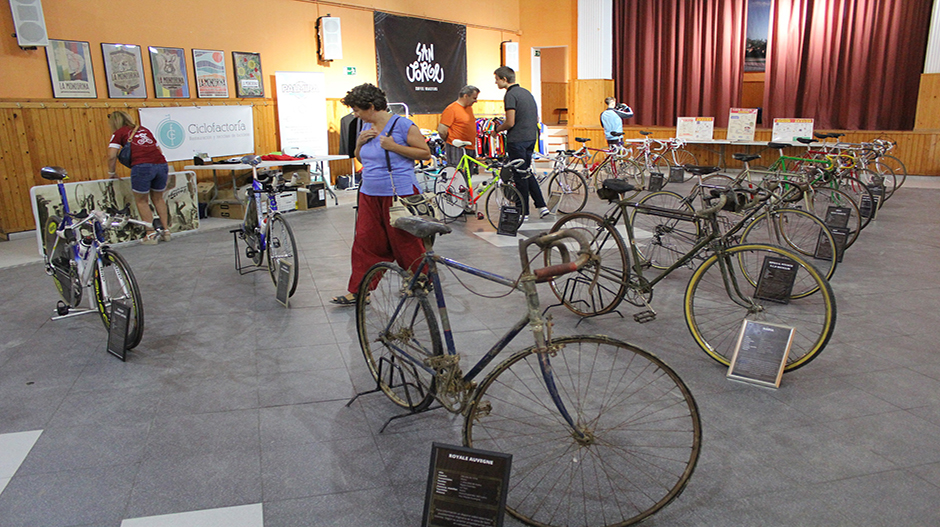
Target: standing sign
(422, 63)
(301, 113)
(187, 130)
(787, 130)
(117, 334)
(741, 124)
(283, 281)
(467, 487)
(695, 128)
(761, 353)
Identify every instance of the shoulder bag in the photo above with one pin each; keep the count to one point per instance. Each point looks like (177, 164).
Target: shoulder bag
(124, 155)
(406, 206)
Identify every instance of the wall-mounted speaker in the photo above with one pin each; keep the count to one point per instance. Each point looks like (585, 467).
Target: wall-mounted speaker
(29, 23)
(509, 53)
(330, 38)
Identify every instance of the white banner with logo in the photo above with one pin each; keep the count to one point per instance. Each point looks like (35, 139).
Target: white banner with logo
(301, 112)
(215, 130)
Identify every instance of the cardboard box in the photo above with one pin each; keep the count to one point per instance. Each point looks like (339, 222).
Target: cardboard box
(317, 195)
(300, 172)
(287, 201)
(235, 211)
(205, 190)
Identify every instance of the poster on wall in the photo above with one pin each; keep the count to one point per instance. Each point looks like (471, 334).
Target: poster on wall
(742, 122)
(124, 70)
(169, 73)
(422, 63)
(248, 79)
(185, 131)
(301, 112)
(70, 69)
(209, 69)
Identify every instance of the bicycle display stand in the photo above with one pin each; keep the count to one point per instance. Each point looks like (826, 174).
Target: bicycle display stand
(383, 361)
(243, 269)
(581, 318)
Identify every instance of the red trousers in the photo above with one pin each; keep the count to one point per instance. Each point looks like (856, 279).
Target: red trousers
(377, 241)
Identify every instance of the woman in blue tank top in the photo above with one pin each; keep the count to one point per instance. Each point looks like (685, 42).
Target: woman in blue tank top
(387, 147)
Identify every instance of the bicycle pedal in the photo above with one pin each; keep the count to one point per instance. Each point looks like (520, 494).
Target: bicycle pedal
(645, 316)
(480, 215)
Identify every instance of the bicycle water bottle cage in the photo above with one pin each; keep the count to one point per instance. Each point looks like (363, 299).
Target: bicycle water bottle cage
(613, 189)
(53, 173)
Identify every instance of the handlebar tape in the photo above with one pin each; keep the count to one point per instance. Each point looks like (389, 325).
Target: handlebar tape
(547, 273)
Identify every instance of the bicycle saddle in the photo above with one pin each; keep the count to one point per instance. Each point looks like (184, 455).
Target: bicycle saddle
(53, 173)
(421, 227)
(778, 146)
(805, 140)
(745, 157)
(700, 170)
(618, 185)
(582, 139)
(646, 133)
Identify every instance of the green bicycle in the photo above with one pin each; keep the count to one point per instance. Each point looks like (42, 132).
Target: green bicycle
(457, 195)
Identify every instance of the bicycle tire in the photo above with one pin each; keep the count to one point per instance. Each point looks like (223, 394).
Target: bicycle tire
(658, 164)
(860, 193)
(453, 193)
(797, 230)
(567, 192)
(599, 286)
(602, 173)
(252, 232)
(631, 171)
(900, 170)
(499, 195)
(682, 157)
(382, 289)
(888, 179)
(824, 197)
(281, 245)
(662, 241)
(715, 319)
(113, 274)
(59, 256)
(641, 432)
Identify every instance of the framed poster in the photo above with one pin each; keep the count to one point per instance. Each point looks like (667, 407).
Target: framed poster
(70, 69)
(169, 73)
(209, 68)
(124, 70)
(248, 79)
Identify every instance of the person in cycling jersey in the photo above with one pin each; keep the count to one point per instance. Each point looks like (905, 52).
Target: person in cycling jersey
(612, 120)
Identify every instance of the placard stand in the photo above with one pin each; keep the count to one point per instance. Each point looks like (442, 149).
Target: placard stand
(117, 335)
(777, 276)
(761, 353)
(283, 281)
(510, 219)
(467, 487)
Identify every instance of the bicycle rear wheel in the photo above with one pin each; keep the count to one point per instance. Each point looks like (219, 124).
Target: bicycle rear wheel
(662, 240)
(715, 314)
(636, 443)
(600, 285)
(567, 192)
(114, 280)
(281, 246)
(453, 193)
(826, 200)
(501, 194)
(250, 227)
(900, 171)
(797, 230)
(398, 333)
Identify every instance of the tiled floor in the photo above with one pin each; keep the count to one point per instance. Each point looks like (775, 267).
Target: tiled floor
(232, 400)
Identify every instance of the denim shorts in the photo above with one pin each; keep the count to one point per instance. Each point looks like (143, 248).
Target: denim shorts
(149, 176)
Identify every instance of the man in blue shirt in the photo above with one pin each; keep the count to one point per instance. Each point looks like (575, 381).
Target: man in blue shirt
(612, 120)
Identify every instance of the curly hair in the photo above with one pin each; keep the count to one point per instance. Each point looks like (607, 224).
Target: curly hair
(366, 96)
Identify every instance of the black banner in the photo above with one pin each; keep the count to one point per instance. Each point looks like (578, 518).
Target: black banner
(421, 63)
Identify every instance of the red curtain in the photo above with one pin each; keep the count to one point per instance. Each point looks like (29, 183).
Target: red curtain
(679, 59)
(848, 64)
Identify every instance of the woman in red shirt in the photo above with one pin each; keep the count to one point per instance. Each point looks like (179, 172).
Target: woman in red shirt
(149, 171)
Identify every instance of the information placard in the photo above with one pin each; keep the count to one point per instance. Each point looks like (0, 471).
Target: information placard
(761, 353)
(787, 130)
(823, 249)
(467, 487)
(837, 216)
(510, 219)
(283, 281)
(776, 279)
(695, 128)
(741, 124)
(868, 209)
(117, 335)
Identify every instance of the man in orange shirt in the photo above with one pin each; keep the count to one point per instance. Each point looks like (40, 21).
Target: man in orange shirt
(458, 123)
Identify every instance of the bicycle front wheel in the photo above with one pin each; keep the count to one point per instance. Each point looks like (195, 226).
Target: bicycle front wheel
(567, 192)
(826, 201)
(600, 285)
(797, 230)
(635, 442)
(453, 193)
(500, 195)
(721, 295)
(114, 280)
(398, 333)
(662, 240)
(281, 246)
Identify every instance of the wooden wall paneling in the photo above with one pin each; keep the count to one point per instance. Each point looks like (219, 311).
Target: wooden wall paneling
(928, 102)
(554, 95)
(586, 100)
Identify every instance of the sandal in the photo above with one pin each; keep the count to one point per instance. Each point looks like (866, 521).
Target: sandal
(346, 300)
(150, 239)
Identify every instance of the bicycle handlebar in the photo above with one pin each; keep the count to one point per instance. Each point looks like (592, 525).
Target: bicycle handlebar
(547, 241)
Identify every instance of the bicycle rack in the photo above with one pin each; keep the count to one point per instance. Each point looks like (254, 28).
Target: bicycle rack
(238, 259)
(564, 294)
(383, 361)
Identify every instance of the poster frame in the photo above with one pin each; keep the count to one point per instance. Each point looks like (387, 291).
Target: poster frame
(240, 91)
(55, 66)
(110, 67)
(200, 73)
(156, 52)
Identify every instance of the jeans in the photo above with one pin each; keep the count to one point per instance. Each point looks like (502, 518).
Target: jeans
(527, 185)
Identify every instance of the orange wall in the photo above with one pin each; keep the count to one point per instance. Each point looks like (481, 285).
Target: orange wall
(283, 31)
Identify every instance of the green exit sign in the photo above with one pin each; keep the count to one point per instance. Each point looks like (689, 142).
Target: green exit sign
(350, 70)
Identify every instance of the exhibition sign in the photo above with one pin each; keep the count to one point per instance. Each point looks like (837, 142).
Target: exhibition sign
(422, 63)
(787, 130)
(301, 112)
(695, 128)
(742, 123)
(216, 130)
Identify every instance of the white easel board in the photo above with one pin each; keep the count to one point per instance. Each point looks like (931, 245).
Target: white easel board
(787, 130)
(741, 124)
(695, 128)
